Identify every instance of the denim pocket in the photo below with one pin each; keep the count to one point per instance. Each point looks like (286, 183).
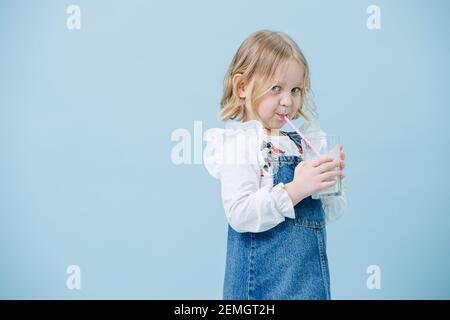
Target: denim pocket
(299, 222)
(284, 168)
(309, 213)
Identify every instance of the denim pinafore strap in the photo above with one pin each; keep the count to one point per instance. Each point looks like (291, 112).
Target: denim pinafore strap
(288, 261)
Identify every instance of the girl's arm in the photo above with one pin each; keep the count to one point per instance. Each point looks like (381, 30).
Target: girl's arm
(234, 157)
(248, 207)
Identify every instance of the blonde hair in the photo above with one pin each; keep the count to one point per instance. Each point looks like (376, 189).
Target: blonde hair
(258, 58)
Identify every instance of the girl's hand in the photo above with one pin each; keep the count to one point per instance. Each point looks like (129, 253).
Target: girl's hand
(342, 162)
(312, 176)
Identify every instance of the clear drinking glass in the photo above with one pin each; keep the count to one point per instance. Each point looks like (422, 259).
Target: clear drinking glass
(325, 145)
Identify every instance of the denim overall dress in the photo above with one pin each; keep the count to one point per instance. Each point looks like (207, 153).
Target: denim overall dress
(288, 261)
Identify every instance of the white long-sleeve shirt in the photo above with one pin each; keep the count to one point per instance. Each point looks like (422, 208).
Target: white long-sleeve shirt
(251, 202)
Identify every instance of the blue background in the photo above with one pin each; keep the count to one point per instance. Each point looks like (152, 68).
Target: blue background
(86, 118)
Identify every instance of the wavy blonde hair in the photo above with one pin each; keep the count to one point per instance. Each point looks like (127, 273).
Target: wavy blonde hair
(258, 58)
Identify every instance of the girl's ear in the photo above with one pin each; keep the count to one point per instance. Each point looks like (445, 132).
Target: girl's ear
(237, 80)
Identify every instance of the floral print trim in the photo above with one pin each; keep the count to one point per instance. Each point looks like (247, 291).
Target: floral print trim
(299, 147)
(270, 154)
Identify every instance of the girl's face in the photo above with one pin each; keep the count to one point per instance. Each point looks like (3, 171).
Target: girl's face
(283, 98)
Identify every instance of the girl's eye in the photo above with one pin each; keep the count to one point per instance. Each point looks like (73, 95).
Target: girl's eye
(296, 90)
(276, 89)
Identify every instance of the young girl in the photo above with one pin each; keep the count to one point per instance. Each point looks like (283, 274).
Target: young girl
(276, 246)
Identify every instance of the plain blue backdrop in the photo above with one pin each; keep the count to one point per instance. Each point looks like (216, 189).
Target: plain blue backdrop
(86, 118)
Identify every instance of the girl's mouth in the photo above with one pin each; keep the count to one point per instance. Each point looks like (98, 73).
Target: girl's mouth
(281, 116)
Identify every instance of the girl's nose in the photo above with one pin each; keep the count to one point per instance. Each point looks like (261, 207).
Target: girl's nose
(286, 100)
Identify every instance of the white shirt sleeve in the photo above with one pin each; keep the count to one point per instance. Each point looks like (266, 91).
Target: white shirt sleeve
(233, 156)
(334, 205)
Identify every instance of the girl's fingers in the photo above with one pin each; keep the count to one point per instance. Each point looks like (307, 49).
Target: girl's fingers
(342, 152)
(331, 175)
